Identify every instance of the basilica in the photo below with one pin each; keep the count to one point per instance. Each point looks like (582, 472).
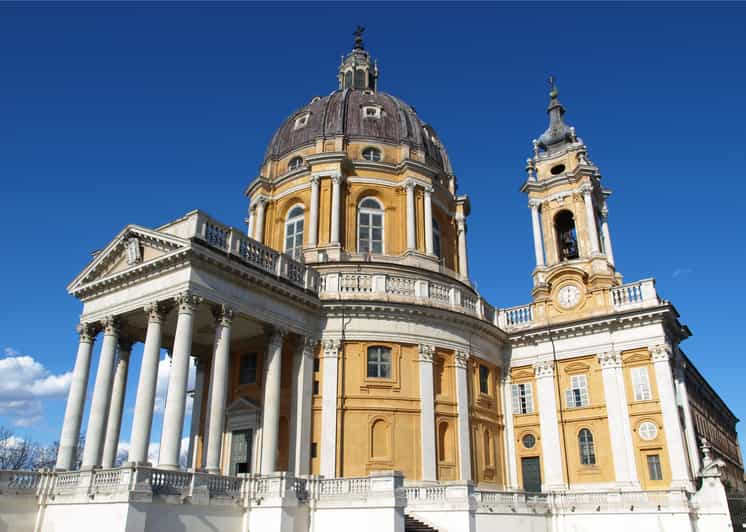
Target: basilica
(348, 372)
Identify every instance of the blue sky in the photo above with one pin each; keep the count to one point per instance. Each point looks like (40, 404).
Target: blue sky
(113, 114)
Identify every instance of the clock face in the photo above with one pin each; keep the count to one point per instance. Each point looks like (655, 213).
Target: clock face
(568, 296)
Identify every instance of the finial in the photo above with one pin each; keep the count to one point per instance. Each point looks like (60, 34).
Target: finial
(553, 91)
(358, 33)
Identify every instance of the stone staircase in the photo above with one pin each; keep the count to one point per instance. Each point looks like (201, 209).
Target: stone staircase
(413, 525)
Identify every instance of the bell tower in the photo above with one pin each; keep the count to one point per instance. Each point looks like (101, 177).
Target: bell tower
(574, 260)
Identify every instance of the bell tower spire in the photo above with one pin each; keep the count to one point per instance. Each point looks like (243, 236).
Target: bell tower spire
(358, 71)
(574, 260)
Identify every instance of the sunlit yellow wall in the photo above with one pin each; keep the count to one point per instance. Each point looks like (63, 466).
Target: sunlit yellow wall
(486, 422)
(446, 415)
(641, 411)
(525, 424)
(380, 418)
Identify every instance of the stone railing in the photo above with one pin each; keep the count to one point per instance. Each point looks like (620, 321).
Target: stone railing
(406, 288)
(635, 295)
(20, 481)
(515, 317)
(235, 243)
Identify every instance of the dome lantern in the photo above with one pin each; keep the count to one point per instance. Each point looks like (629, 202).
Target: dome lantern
(357, 70)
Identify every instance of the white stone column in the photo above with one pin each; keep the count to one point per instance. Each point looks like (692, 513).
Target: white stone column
(462, 408)
(427, 413)
(605, 233)
(510, 458)
(300, 406)
(336, 208)
(549, 427)
(69, 439)
(271, 404)
(411, 235)
(116, 406)
(591, 219)
(173, 415)
(536, 224)
(313, 221)
(145, 399)
(261, 205)
(689, 430)
(218, 387)
(671, 426)
(251, 222)
(429, 244)
(620, 430)
(463, 260)
(196, 417)
(94, 436)
(329, 367)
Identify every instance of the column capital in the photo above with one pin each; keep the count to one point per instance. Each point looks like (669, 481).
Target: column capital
(315, 179)
(586, 190)
(276, 336)
(331, 347)
(610, 360)
(87, 331)
(260, 200)
(307, 346)
(429, 189)
(461, 223)
(427, 353)
(156, 311)
(187, 302)
(462, 359)
(604, 212)
(544, 369)
(337, 178)
(223, 315)
(111, 325)
(660, 352)
(534, 203)
(409, 184)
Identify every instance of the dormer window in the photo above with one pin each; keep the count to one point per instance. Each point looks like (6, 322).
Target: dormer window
(301, 121)
(372, 154)
(371, 111)
(295, 163)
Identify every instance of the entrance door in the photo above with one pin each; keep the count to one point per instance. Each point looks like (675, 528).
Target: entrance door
(531, 473)
(241, 451)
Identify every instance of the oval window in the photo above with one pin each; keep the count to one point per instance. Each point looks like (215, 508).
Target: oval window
(372, 154)
(648, 431)
(295, 163)
(557, 169)
(529, 441)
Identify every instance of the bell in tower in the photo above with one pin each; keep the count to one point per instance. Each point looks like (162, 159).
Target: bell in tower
(568, 213)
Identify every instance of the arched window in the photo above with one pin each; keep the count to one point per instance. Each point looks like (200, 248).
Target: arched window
(370, 226)
(585, 444)
(372, 154)
(348, 79)
(436, 239)
(379, 362)
(294, 232)
(567, 238)
(295, 163)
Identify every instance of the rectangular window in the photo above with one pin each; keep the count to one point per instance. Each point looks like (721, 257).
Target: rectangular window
(315, 387)
(379, 362)
(654, 467)
(313, 449)
(484, 379)
(247, 369)
(641, 384)
(577, 395)
(523, 399)
(316, 363)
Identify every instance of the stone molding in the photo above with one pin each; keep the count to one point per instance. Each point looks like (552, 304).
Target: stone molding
(660, 353)
(330, 347)
(427, 353)
(610, 360)
(462, 359)
(544, 369)
(111, 325)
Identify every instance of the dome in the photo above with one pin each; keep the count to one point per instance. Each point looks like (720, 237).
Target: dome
(358, 112)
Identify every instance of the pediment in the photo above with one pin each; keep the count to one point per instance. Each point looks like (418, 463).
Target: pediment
(243, 405)
(130, 249)
(577, 367)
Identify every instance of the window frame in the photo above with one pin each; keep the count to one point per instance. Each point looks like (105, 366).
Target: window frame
(437, 244)
(372, 150)
(580, 395)
(379, 363)
(641, 383)
(292, 220)
(658, 467)
(586, 447)
(248, 356)
(484, 379)
(522, 395)
(295, 163)
(370, 211)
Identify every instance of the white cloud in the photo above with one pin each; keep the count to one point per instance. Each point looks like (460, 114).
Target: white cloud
(678, 272)
(25, 382)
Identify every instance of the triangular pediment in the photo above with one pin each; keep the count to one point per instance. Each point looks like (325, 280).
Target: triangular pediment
(132, 248)
(243, 405)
